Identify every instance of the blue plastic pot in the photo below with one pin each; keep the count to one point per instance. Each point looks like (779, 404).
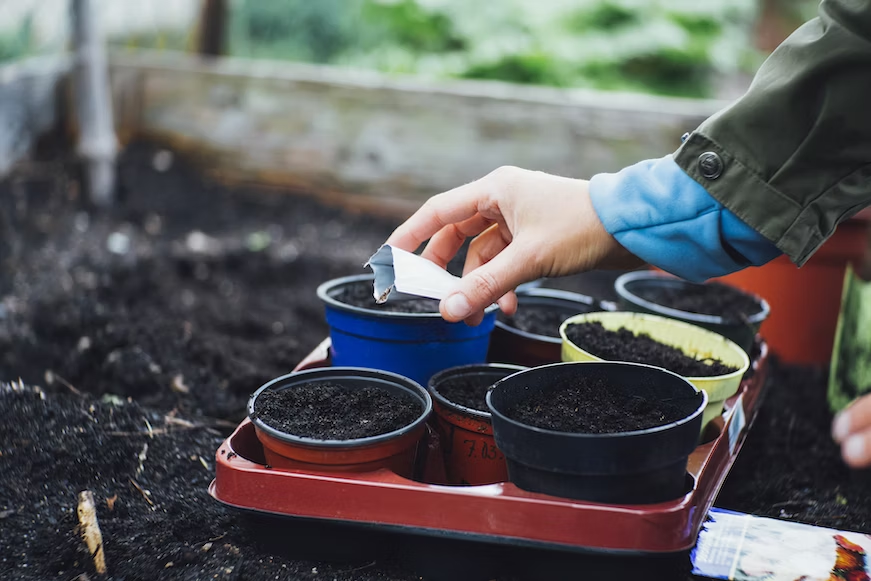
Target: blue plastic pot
(416, 345)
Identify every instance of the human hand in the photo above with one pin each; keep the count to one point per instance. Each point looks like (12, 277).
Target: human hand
(852, 430)
(526, 225)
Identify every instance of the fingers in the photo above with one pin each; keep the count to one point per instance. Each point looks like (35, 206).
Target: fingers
(485, 247)
(485, 285)
(856, 450)
(445, 243)
(852, 430)
(482, 250)
(508, 303)
(439, 211)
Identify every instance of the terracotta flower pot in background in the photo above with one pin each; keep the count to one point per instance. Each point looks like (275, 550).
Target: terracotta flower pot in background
(805, 301)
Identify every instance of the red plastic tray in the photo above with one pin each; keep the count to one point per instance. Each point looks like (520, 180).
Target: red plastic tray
(495, 513)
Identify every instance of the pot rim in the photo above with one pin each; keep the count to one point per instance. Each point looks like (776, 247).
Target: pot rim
(462, 370)
(643, 275)
(551, 293)
(613, 435)
(323, 294)
(745, 359)
(322, 373)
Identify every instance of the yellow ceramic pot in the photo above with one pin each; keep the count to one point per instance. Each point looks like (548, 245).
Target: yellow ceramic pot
(694, 341)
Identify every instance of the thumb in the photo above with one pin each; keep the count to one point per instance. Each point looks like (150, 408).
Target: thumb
(486, 284)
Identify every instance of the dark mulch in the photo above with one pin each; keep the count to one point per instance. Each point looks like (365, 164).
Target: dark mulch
(149, 474)
(330, 411)
(790, 468)
(624, 345)
(209, 294)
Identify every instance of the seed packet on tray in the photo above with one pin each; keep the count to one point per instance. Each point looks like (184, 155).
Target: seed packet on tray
(743, 547)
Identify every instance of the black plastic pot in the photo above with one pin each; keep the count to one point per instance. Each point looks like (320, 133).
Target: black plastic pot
(509, 344)
(638, 467)
(637, 292)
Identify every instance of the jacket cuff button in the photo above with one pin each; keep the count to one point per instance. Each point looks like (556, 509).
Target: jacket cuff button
(710, 165)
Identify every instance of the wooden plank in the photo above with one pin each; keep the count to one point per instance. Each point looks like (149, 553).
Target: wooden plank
(382, 137)
(29, 104)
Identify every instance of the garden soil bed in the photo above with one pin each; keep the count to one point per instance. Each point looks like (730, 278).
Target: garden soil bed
(147, 328)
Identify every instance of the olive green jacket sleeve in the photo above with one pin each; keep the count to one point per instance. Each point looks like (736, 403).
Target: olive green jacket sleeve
(792, 157)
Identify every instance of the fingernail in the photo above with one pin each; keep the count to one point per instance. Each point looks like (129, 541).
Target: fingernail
(854, 450)
(457, 306)
(841, 426)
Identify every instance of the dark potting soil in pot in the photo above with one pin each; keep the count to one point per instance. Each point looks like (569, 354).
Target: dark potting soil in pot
(539, 319)
(467, 390)
(714, 299)
(329, 411)
(624, 345)
(592, 407)
(359, 294)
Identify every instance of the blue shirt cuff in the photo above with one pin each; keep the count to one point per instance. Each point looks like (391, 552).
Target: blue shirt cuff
(664, 217)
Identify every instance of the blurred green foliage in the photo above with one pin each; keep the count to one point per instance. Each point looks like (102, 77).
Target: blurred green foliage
(17, 43)
(673, 47)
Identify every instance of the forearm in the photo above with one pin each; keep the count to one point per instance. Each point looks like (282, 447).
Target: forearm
(660, 214)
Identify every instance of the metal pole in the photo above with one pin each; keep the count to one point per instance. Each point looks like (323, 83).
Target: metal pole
(97, 145)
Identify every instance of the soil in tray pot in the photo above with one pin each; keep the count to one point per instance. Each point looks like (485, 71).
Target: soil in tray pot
(328, 411)
(705, 299)
(467, 390)
(360, 295)
(624, 345)
(588, 406)
(538, 319)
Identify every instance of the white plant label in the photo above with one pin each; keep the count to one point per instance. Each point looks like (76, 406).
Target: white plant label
(739, 421)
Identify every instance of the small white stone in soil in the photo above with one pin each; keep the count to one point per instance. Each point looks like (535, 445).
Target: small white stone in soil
(84, 344)
(82, 222)
(162, 161)
(118, 243)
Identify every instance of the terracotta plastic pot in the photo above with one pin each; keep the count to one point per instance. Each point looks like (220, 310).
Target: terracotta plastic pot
(805, 301)
(415, 345)
(694, 341)
(637, 291)
(471, 455)
(394, 450)
(509, 344)
(636, 467)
